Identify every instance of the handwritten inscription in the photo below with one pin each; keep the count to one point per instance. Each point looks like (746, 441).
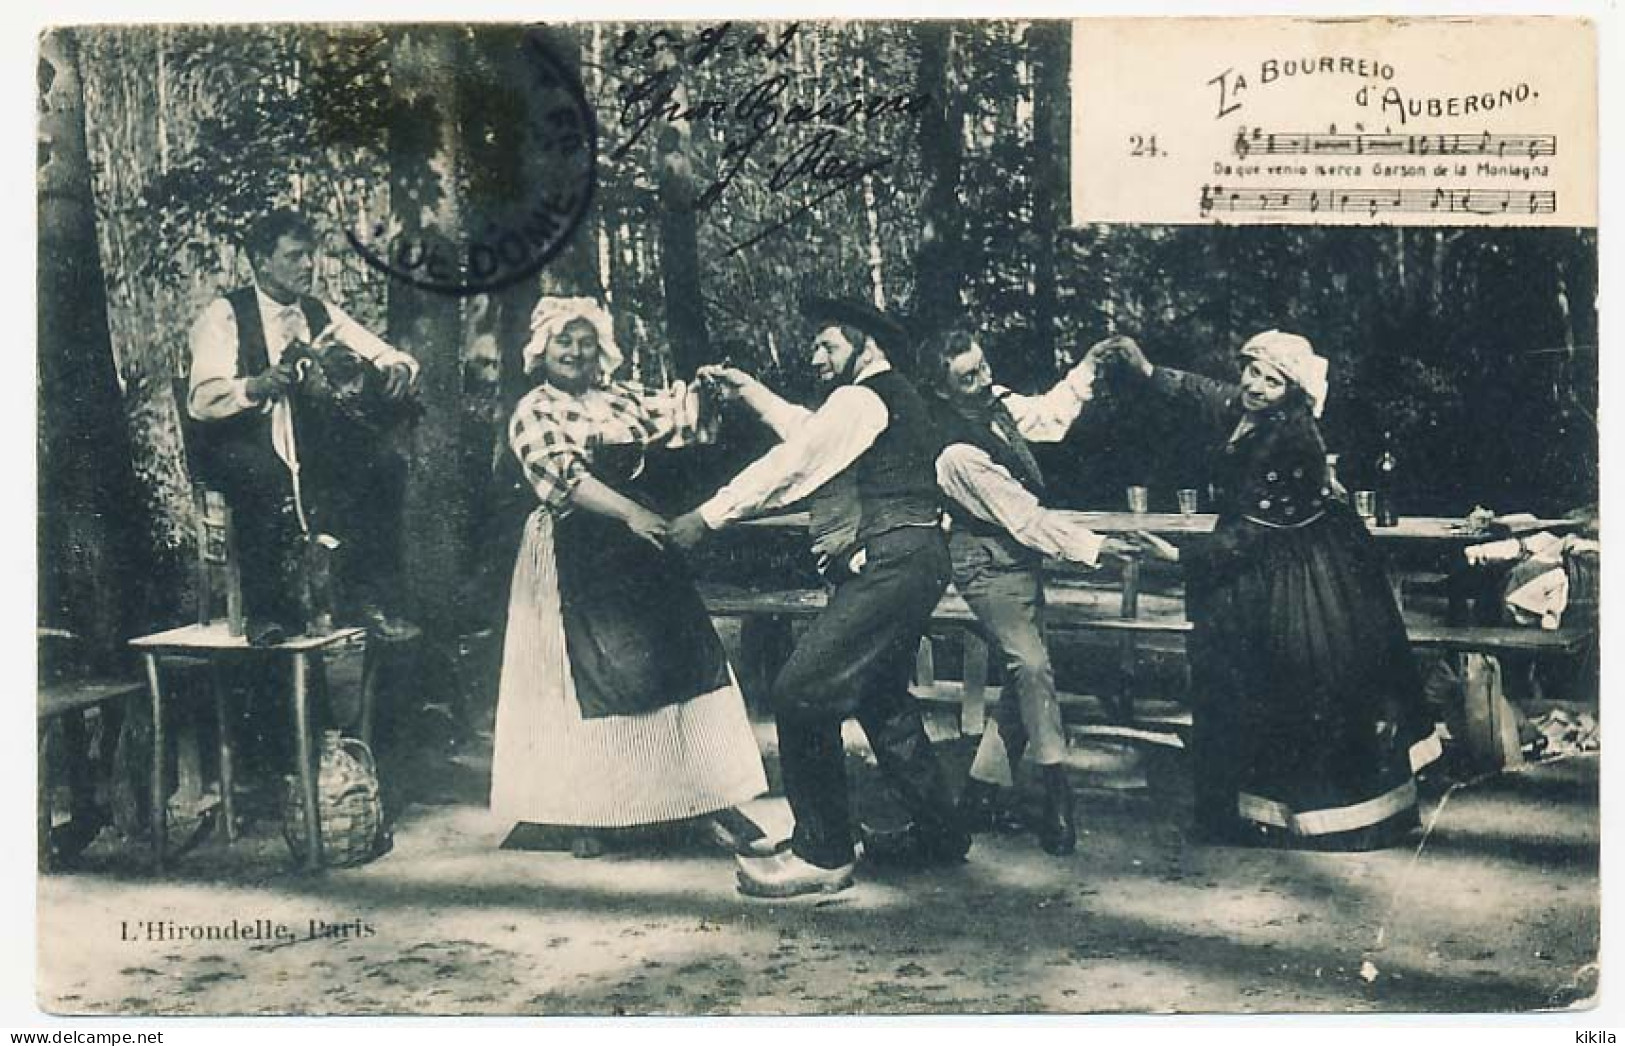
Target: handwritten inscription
(791, 140)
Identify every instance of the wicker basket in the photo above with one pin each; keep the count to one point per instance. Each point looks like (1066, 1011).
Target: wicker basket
(346, 800)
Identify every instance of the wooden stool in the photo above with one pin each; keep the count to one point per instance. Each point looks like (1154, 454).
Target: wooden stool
(213, 642)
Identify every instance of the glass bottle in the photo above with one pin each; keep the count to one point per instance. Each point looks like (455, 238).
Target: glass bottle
(1387, 483)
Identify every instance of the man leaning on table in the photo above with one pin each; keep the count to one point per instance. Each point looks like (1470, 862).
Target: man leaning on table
(1001, 533)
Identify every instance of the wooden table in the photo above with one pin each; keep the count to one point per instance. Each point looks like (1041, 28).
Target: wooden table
(1410, 528)
(1438, 533)
(210, 642)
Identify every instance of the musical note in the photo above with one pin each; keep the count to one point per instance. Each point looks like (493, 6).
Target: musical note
(1374, 201)
(1390, 144)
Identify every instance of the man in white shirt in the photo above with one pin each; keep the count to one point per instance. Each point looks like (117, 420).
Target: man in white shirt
(856, 658)
(1000, 535)
(248, 443)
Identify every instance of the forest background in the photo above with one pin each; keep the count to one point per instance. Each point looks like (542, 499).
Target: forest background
(929, 176)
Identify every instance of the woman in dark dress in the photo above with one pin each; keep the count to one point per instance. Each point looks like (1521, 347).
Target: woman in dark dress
(1309, 721)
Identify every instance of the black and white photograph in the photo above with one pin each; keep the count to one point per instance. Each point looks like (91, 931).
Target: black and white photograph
(825, 517)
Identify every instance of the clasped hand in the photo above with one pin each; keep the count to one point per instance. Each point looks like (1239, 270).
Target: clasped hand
(688, 530)
(726, 381)
(1157, 547)
(650, 526)
(1119, 351)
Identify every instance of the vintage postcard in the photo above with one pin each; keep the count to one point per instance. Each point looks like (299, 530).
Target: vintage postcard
(829, 517)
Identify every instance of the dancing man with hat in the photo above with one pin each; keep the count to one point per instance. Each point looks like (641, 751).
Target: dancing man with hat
(856, 658)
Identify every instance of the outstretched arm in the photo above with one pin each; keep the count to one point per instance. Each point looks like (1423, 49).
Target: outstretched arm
(1048, 418)
(593, 495)
(988, 491)
(780, 415)
(557, 469)
(1212, 401)
(814, 453)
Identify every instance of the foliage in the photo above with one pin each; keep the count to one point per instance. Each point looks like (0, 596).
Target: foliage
(1446, 337)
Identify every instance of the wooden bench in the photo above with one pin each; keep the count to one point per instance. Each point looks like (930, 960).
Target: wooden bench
(61, 713)
(766, 617)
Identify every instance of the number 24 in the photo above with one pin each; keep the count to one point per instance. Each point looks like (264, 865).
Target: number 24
(1141, 145)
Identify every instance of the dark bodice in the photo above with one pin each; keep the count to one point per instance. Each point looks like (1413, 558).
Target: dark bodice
(1274, 474)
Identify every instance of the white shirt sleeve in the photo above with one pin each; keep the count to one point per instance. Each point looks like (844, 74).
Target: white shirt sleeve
(988, 491)
(816, 451)
(214, 390)
(365, 343)
(779, 414)
(1048, 417)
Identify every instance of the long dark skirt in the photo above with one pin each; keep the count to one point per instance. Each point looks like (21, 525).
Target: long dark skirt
(1296, 658)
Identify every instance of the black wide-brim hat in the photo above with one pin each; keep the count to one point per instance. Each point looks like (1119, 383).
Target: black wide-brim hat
(888, 333)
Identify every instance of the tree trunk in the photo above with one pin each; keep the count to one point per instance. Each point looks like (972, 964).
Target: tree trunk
(423, 196)
(939, 261)
(686, 330)
(871, 213)
(90, 548)
(1052, 187)
(146, 319)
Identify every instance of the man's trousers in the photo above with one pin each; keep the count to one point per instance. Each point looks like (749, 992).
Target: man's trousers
(856, 660)
(1006, 593)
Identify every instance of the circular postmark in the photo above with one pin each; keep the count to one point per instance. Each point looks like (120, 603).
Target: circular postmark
(524, 146)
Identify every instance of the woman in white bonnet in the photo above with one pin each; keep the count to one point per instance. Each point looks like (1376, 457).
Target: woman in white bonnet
(617, 707)
(1308, 718)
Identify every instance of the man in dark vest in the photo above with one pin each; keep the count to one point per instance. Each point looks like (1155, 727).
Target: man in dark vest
(856, 658)
(250, 445)
(1000, 534)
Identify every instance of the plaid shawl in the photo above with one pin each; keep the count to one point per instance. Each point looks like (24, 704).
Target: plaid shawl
(553, 433)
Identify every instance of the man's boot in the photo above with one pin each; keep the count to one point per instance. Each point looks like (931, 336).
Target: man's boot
(1057, 833)
(978, 806)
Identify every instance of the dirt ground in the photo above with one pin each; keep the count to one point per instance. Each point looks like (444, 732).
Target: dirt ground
(1497, 910)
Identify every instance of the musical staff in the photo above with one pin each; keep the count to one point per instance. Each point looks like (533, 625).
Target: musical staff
(1373, 202)
(1331, 143)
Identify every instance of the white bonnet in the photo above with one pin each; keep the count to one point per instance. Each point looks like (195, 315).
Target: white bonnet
(552, 315)
(1295, 358)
